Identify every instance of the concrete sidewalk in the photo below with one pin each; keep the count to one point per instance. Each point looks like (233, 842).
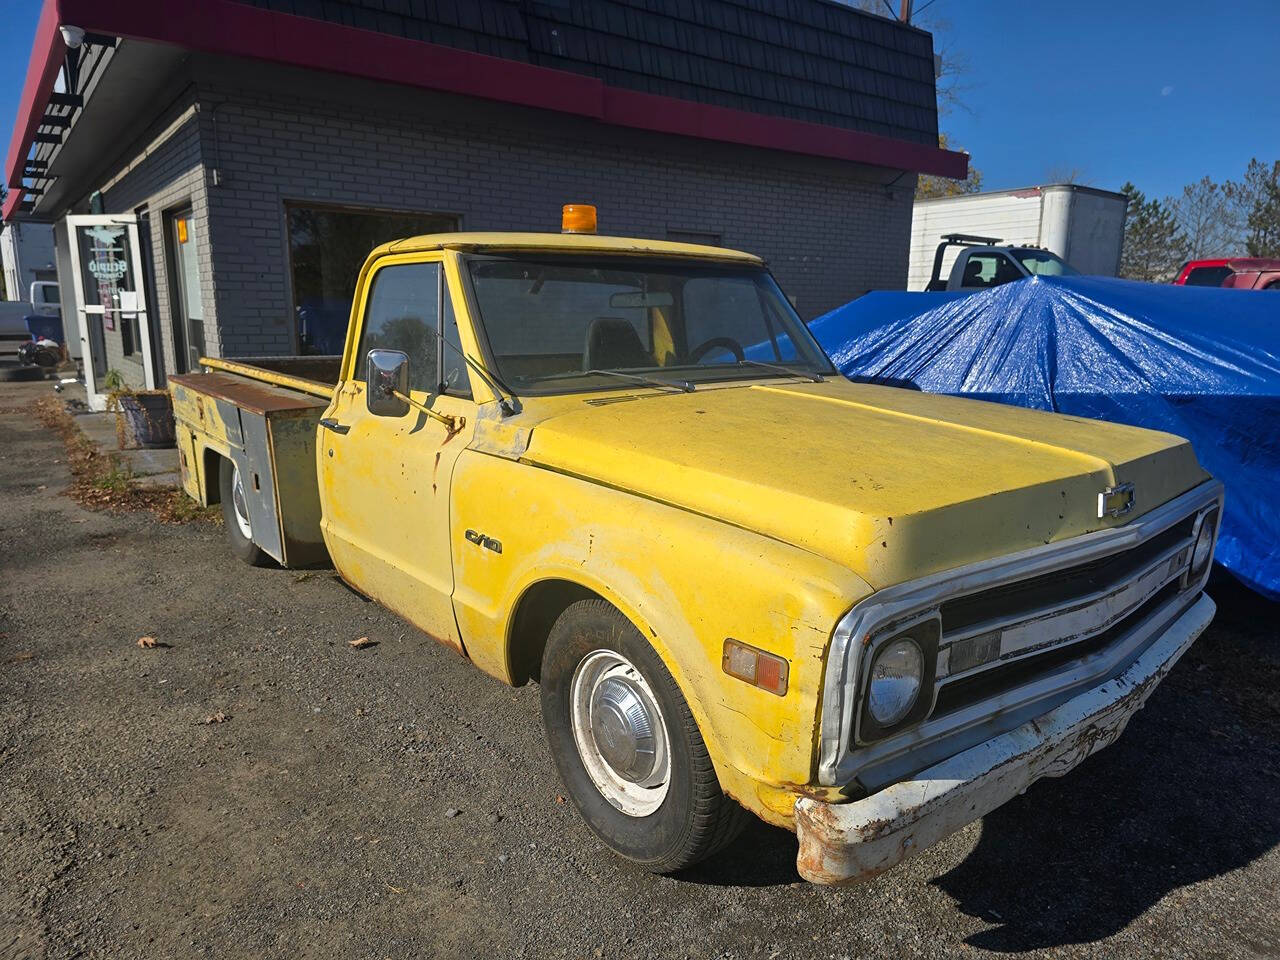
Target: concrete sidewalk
(150, 468)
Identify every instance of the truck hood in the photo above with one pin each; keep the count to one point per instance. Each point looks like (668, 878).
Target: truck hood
(894, 484)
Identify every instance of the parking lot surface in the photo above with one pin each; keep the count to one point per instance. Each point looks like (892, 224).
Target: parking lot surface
(255, 786)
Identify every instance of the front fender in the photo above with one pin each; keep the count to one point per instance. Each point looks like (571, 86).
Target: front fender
(686, 581)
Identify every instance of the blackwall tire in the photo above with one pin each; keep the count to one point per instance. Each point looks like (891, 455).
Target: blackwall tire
(670, 826)
(241, 544)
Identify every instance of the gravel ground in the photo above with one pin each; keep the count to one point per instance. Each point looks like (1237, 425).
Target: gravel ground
(393, 801)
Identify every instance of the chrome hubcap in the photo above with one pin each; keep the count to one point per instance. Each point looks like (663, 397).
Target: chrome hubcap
(620, 733)
(240, 505)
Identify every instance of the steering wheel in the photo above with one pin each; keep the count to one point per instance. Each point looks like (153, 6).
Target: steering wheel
(726, 343)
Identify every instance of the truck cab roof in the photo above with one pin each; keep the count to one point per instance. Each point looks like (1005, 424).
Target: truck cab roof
(561, 243)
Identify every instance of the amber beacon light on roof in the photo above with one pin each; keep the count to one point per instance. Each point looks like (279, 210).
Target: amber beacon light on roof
(578, 218)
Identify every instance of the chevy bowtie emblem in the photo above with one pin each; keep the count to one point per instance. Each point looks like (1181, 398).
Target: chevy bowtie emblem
(1116, 501)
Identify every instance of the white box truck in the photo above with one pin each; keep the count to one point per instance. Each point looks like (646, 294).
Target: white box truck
(1082, 225)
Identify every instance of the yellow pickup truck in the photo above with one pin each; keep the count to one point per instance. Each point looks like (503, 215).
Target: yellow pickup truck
(624, 469)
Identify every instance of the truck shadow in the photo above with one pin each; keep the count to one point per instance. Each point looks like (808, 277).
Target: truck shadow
(1186, 794)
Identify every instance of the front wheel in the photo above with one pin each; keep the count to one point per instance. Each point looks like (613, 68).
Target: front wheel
(627, 747)
(235, 516)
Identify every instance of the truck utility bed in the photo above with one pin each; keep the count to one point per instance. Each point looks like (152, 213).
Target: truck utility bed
(262, 413)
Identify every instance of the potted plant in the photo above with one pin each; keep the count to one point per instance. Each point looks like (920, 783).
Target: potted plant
(145, 416)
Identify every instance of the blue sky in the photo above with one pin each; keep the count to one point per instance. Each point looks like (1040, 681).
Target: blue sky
(1158, 93)
(19, 19)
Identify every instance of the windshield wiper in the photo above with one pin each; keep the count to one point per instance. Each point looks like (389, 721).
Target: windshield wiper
(682, 385)
(811, 376)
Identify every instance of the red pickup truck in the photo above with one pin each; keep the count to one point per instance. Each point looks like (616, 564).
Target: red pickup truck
(1243, 273)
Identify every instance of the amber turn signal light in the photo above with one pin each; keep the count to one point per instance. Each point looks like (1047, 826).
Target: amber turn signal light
(578, 218)
(753, 665)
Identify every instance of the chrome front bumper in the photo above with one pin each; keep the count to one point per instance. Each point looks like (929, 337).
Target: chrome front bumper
(841, 843)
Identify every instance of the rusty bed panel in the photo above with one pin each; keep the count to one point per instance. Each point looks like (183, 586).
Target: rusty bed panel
(293, 454)
(269, 431)
(250, 395)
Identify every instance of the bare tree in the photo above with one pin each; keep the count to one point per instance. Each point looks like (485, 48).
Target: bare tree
(1209, 217)
(929, 186)
(1064, 174)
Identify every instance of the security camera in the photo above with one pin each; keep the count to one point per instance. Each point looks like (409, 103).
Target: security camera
(73, 37)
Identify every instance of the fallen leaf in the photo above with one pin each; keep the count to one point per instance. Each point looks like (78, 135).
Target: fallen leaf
(218, 717)
(559, 798)
(361, 643)
(146, 642)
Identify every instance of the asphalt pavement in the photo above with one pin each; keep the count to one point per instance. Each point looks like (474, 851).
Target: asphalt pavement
(252, 785)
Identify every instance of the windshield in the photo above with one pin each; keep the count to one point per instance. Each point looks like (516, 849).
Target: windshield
(1045, 264)
(558, 324)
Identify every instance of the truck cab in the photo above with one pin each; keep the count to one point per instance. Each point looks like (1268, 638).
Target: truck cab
(1239, 273)
(623, 468)
(983, 262)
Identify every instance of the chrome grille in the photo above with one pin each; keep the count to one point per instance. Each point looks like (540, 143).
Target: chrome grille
(1060, 611)
(980, 685)
(1059, 587)
(1026, 631)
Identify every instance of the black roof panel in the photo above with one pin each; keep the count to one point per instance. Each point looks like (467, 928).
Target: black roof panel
(814, 60)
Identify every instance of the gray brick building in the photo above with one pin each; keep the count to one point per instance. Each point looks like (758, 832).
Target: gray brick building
(215, 173)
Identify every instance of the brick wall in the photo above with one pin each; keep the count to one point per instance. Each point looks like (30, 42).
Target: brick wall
(165, 174)
(247, 138)
(830, 231)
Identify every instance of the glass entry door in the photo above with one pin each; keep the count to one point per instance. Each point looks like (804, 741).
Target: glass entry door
(188, 310)
(111, 305)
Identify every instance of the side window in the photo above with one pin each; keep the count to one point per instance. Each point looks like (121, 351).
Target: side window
(989, 270)
(1207, 276)
(403, 313)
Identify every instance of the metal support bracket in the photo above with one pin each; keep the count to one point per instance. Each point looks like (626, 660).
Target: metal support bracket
(452, 424)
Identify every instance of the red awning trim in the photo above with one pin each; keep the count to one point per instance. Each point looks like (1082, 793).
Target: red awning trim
(238, 29)
(47, 55)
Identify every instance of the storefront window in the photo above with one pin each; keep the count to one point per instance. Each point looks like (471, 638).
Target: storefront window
(327, 247)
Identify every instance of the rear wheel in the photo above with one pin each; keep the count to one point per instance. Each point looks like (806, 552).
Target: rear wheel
(235, 516)
(627, 747)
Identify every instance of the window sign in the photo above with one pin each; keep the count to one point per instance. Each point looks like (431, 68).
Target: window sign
(107, 271)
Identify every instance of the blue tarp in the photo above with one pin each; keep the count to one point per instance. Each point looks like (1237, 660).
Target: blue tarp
(1203, 363)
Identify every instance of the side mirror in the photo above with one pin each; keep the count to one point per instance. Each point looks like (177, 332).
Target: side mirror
(385, 371)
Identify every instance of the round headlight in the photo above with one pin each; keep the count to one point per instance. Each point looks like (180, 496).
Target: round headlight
(895, 681)
(1203, 549)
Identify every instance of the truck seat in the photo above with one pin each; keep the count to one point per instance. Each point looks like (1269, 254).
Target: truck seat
(613, 343)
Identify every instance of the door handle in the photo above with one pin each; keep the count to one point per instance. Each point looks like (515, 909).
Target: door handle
(331, 424)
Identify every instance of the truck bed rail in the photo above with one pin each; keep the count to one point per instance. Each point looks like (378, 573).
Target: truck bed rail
(256, 371)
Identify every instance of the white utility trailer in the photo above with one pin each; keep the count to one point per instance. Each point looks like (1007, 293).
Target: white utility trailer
(1082, 225)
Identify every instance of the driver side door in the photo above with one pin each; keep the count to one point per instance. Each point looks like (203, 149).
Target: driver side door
(385, 480)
